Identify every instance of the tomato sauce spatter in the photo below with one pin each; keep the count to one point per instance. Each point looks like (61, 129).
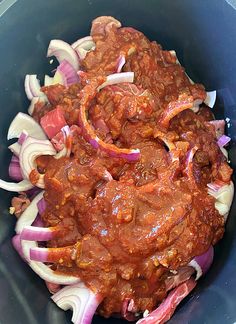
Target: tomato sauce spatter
(130, 225)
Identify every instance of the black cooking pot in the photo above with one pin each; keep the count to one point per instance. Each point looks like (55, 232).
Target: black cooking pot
(203, 33)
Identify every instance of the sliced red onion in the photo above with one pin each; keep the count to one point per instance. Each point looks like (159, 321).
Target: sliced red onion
(23, 185)
(223, 196)
(25, 122)
(48, 80)
(223, 140)
(188, 170)
(86, 43)
(167, 308)
(22, 137)
(117, 78)
(63, 51)
(81, 300)
(16, 242)
(210, 99)
(34, 101)
(83, 46)
(67, 73)
(33, 233)
(202, 262)
(38, 222)
(15, 148)
(44, 271)
(175, 107)
(121, 63)
(52, 255)
(29, 215)
(215, 186)
(41, 206)
(14, 169)
(32, 87)
(90, 135)
(30, 150)
(66, 151)
(225, 153)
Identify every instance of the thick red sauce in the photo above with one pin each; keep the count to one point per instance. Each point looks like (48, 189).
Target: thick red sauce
(127, 234)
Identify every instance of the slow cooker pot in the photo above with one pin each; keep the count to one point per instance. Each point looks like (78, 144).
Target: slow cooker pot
(203, 34)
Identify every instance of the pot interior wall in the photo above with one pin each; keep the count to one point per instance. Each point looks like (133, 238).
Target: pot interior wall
(203, 34)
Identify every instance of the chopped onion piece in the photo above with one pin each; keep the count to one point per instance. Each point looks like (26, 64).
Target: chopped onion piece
(224, 197)
(210, 99)
(63, 51)
(41, 206)
(66, 73)
(118, 78)
(32, 87)
(86, 43)
(14, 169)
(32, 105)
(23, 185)
(202, 262)
(223, 140)
(83, 46)
(121, 63)
(44, 271)
(25, 122)
(48, 80)
(29, 215)
(16, 242)
(34, 233)
(15, 148)
(225, 152)
(80, 299)
(89, 133)
(66, 151)
(30, 150)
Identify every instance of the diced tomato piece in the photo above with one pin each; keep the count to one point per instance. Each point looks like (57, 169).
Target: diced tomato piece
(53, 121)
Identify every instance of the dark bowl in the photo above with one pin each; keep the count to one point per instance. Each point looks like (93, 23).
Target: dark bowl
(203, 33)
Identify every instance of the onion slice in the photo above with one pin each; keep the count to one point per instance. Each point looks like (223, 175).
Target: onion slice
(16, 242)
(30, 150)
(88, 131)
(33, 88)
(210, 99)
(34, 233)
(117, 78)
(81, 300)
(175, 107)
(23, 185)
(202, 262)
(14, 169)
(223, 197)
(223, 140)
(15, 148)
(29, 215)
(25, 122)
(67, 73)
(44, 271)
(63, 51)
(83, 45)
